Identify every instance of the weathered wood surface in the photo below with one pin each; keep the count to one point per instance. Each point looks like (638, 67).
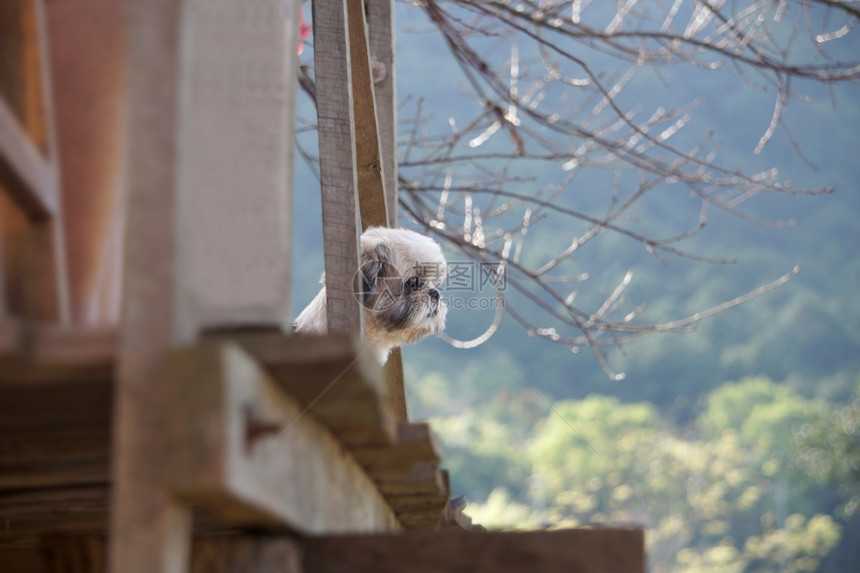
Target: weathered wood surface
(56, 392)
(380, 25)
(334, 377)
(149, 530)
(574, 551)
(371, 178)
(26, 173)
(242, 446)
(35, 354)
(395, 389)
(32, 263)
(214, 554)
(22, 560)
(30, 514)
(338, 175)
(380, 19)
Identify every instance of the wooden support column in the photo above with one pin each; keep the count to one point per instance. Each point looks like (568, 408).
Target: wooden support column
(371, 182)
(337, 163)
(150, 530)
(208, 229)
(380, 19)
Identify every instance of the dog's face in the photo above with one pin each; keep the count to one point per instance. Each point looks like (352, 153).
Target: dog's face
(398, 286)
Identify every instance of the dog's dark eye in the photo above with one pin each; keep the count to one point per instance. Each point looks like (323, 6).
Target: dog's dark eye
(414, 283)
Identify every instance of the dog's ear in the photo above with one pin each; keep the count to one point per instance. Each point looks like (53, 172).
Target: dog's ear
(375, 264)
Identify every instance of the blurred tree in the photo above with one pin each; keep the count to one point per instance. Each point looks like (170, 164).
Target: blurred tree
(716, 503)
(829, 449)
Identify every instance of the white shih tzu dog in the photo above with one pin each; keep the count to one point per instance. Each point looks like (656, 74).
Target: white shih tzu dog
(397, 285)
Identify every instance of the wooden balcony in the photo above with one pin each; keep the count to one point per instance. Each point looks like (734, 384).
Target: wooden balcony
(197, 433)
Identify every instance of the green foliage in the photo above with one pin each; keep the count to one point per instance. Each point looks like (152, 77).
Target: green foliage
(799, 546)
(829, 450)
(765, 415)
(728, 498)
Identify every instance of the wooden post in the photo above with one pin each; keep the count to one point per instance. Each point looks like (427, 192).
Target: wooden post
(380, 18)
(371, 176)
(337, 163)
(207, 227)
(149, 529)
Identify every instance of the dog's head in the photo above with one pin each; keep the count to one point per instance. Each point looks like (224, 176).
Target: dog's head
(398, 285)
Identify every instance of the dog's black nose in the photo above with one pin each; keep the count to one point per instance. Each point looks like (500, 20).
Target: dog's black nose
(434, 294)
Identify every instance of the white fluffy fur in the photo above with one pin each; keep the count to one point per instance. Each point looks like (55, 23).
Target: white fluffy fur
(406, 251)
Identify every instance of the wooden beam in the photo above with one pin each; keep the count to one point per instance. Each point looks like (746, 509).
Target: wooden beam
(245, 448)
(217, 554)
(29, 177)
(395, 389)
(371, 180)
(333, 377)
(337, 164)
(575, 551)
(380, 19)
(571, 550)
(26, 131)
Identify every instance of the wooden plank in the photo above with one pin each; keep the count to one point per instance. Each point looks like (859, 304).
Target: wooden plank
(221, 554)
(29, 514)
(371, 187)
(407, 472)
(333, 377)
(27, 175)
(415, 443)
(575, 551)
(50, 354)
(22, 560)
(395, 389)
(245, 448)
(572, 550)
(337, 164)
(380, 18)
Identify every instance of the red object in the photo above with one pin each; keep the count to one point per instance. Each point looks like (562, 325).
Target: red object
(304, 31)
